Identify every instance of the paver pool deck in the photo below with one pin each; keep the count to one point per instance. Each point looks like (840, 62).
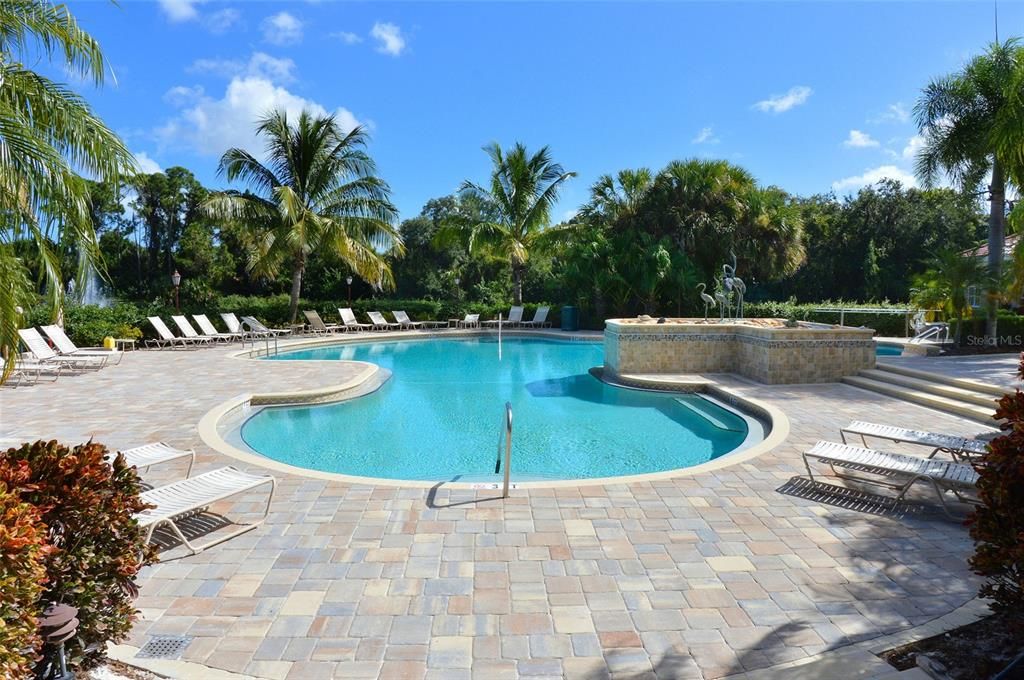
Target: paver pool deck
(703, 575)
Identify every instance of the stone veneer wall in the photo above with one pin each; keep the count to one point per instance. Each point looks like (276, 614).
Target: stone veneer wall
(810, 353)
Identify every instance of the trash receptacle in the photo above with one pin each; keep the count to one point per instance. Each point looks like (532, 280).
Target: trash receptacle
(570, 318)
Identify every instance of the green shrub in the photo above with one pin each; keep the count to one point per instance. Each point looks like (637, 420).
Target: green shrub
(22, 578)
(97, 548)
(997, 526)
(1010, 328)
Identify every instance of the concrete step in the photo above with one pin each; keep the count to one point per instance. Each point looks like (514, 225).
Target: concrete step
(962, 383)
(956, 407)
(942, 389)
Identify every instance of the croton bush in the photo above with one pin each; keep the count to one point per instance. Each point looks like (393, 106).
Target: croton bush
(22, 577)
(997, 526)
(90, 545)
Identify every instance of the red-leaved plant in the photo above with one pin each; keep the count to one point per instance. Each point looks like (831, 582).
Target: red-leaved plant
(87, 505)
(997, 526)
(22, 578)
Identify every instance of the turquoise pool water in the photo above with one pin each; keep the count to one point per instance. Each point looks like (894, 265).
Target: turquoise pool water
(887, 350)
(440, 414)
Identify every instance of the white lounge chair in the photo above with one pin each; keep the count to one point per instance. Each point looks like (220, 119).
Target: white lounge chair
(403, 318)
(317, 324)
(167, 338)
(30, 371)
(540, 319)
(189, 332)
(68, 348)
(142, 457)
(210, 331)
(470, 321)
(255, 324)
(515, 317)
(903, 471)
(380, 323)
(349, 319)
(960, 448)
(44, 354)
(184, 498)
(235, 326)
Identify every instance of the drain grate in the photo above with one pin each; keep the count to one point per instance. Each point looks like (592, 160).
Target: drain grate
(164, 647)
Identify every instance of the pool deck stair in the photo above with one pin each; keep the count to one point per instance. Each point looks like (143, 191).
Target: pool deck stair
(958, 396)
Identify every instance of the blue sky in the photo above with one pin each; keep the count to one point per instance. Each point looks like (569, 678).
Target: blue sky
(808, 96)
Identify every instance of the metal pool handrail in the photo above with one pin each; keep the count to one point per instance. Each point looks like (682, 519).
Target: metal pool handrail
(506, 429)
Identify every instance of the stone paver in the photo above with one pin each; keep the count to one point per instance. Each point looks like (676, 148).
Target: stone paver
(701, 575)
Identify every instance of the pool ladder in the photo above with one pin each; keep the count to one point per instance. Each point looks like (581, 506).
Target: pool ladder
(505, 434)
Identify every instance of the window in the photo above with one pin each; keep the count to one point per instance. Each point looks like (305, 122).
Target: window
(973, 296)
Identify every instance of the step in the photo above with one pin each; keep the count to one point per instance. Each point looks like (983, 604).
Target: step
(944, 404)
(962, 383)
(942, 389)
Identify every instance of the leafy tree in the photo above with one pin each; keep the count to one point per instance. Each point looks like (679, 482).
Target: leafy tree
(168, 203)
(522, 190)
(871, 245)
(47, 134)
(318, 192)
(971, 122)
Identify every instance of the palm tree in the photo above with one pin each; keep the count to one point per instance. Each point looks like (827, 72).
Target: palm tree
(48, 134)
(317, 193)
(971, 122)
(946, 282)
(521, 193)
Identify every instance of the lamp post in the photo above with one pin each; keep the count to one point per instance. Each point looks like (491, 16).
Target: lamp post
(176, 282)
(348, 280)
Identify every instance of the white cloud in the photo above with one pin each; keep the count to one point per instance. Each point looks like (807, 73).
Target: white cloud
(260, 64)
(221, 20)
(346, 37)
(180, 10)
(914, 144)
(860, 140)
(779, 103)
(181, 95)
(894, 113)
(389, 38)
(146, 164)
(705, 136)
(875, 175)
(211, 126)
(282, 29)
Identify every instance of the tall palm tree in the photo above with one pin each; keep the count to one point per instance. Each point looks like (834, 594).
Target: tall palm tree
(522, 190)
(48, 134)
(316, 193)
(972, 125)
(619, 196)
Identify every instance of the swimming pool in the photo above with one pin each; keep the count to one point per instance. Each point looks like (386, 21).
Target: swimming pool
(883, 349)
(439, 416)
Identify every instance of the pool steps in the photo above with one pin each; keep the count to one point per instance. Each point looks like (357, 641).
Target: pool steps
(957, 396)
(702, 408)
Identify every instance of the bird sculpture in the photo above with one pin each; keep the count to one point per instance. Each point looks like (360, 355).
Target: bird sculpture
(723, 303)
(741, 289)
(734, 283)
(708, 300)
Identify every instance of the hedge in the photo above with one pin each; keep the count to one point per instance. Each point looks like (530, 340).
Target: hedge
(1010, 328)
(88, 325)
